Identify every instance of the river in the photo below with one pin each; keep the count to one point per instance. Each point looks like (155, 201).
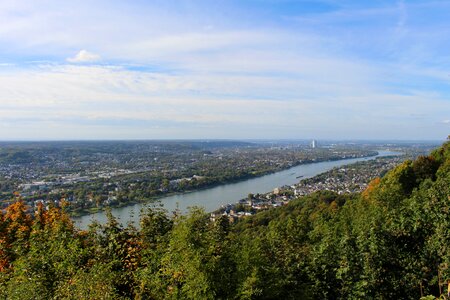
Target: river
(212, 198)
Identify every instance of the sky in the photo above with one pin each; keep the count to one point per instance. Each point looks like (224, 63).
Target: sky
(224, 69)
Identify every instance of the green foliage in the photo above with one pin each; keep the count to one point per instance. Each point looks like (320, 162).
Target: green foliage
(390, 242)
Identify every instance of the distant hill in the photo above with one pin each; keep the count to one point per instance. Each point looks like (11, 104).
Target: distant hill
(15, 156)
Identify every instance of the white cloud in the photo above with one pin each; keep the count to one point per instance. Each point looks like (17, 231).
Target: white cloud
(299, 76)
(202, 41)
(84, 56)
(234, 105)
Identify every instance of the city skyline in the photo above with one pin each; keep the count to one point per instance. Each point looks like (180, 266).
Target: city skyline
(224, 70)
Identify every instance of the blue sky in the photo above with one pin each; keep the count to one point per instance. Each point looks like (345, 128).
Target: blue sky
(230, 69)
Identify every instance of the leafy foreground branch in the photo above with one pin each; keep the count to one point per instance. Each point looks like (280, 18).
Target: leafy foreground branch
(390, 242)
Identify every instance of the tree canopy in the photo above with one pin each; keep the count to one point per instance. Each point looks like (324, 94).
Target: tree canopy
(389, 242)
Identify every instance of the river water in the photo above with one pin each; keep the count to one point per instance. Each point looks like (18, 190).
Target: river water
(212, 198)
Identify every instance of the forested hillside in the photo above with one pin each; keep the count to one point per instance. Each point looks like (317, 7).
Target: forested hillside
(390, 242)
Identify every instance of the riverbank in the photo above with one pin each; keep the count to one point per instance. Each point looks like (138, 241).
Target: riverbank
(213, 198)
(93, 210)
(346, 179)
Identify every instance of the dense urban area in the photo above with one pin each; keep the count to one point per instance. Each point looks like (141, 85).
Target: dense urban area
(89, 176)
(93, 175)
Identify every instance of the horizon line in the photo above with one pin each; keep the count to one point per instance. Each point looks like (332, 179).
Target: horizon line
(225, 139)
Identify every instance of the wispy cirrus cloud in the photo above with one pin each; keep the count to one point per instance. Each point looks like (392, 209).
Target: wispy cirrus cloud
(94, 96)
(224, 69)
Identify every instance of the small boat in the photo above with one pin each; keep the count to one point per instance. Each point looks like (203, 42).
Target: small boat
(299, 176)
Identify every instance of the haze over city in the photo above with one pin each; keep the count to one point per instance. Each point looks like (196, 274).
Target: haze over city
(224, 69)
